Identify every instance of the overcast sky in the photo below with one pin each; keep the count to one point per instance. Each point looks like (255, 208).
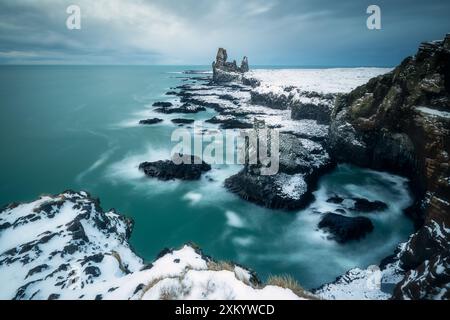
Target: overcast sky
(280, 32)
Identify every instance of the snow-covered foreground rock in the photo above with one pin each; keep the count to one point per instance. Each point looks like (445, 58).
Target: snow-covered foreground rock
(429, 281)
(67, 247)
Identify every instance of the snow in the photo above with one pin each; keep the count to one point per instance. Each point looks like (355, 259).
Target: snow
(332, 80)
(66, 247)
(291, 186)
(434, 112)
(362, 284)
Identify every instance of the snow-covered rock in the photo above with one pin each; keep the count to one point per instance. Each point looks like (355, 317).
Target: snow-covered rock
(66, 247)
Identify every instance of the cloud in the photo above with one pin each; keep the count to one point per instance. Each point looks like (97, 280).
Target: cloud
(301, 32)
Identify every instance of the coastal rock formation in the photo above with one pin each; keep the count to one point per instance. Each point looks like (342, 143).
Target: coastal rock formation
(231, 122)
(364, 205)
(303, 104)
(184, 108)
(425, 258)
(182, 121)
(162, 104)
(225, 71)
(66, 247)
(301, 163)
(400, 122)
(344, 228)
(312, 105)
(191, 168)
(151, 121)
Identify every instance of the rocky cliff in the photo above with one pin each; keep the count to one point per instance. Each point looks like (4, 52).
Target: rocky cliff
(66, 247)
(400, 122)
(225, 71)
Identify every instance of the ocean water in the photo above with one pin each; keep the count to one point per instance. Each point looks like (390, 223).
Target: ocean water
(76, 127)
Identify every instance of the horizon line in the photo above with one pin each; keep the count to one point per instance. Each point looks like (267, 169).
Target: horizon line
(188, 65)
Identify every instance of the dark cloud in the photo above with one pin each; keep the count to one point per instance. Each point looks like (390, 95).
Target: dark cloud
(289, 32)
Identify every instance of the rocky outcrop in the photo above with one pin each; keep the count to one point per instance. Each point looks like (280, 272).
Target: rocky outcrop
(270, 99)
(191, 168)
(344, 229)
(184, 108)
(400, 122)
(225, 71)
(162, 104)
(364, 205)
(66, 247)
(301, 163)
(312, 105)
(182, 121)
(231, 122)
(151, 121)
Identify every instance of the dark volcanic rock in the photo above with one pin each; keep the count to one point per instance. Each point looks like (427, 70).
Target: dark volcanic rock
(335, 199)
(365, 205)
(191, 168)
(381, 125)
(265, 191)
(224, 71)
(162, 104)
(301, 163)
(270, 100)
(230, 122)
(429, 281)
(399, 122)
(151, 121)
(313, 105)
(345, 229)
(182, 121)
(184, 108)
(426, 256)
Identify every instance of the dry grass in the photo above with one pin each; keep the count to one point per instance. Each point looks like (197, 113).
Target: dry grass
(286, 281)
(150, 285)
(220, 265)
(116, 255)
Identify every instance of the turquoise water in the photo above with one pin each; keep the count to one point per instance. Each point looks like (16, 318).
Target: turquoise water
(65, 127)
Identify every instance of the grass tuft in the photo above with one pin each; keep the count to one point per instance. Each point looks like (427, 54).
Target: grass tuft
(288, 282)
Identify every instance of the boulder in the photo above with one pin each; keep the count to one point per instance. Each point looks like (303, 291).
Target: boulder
(151, 121)
(364, 205)
(344, 228)
(182, 121)
(191, 168)
(162, 104)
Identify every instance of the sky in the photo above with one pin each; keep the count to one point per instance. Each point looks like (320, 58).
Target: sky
(188, 32)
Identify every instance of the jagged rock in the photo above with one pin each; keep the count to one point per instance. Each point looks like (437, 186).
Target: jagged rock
(224, 71)
(301, 163)
(364, 205)
(428, 241)
(162, 104)
(344, 228)
(270, 100)
(312, 105)
(183, 121)
(191, 168)
(230, 122)
(335, 199)
(103, 266)
(252, 82)
(244, 65)
(400, 122)
(431, 281)
(184, 108)
(281, 191)
(151, 121)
